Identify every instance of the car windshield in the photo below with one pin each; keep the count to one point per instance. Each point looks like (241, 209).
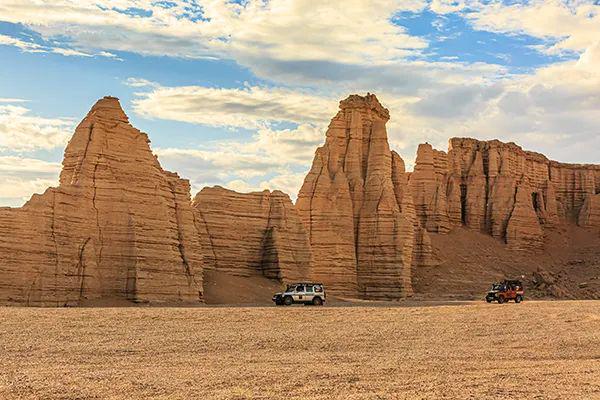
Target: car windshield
(496, 286)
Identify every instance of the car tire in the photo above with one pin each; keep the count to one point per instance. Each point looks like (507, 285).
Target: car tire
(488, 300)
(288, 301)
(518, 299)
(500, 300)
(317, 301)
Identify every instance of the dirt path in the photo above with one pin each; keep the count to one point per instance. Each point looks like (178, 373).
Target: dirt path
(535, 350)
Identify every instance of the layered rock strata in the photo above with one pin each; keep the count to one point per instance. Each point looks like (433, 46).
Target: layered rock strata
(500, 189)
(589, 216)
(250, 233)
(117, 227)
(358, 207)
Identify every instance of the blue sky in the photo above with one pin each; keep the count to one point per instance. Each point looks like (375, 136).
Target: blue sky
(240, 93)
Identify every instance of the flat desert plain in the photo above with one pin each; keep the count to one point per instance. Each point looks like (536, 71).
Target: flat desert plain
(533, 350)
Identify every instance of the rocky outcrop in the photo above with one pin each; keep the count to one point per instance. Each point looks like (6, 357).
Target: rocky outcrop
(500, 189)
(523, 231)
(252, 233)
(358, 207)
(117, 227)
(429, 187)
(589, 216)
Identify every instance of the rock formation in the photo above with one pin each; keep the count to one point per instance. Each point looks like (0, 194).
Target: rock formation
(429, 185)
(500, 189)
(590, 211)
(252, 233)
(117, 227)
(358, 207)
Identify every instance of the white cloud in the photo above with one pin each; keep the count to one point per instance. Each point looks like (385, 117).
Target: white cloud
(287, 182)
(268, 151)
(550, 110)
(28, 47)
(567, 25)
(15, 165)
(446, 6)
(32, 47)
(270, 160)
(21, 131)
(277, 29)
(108, 54)
(11, 100)
(70, 52)
(248, 107)
(553, 111)
(21, 177)
(140, 83)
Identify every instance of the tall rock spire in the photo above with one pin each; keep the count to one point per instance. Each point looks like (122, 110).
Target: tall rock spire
(117, 227)
(361, 236)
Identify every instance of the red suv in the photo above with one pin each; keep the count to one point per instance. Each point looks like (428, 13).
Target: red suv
(505, 291)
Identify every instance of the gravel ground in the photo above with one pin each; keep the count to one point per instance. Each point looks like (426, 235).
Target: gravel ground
(533, 350)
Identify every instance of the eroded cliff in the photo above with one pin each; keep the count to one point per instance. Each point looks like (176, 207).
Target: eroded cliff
(117, 227)
(252, 233)
(500, 189)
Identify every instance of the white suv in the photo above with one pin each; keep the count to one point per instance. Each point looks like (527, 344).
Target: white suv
(301, 293)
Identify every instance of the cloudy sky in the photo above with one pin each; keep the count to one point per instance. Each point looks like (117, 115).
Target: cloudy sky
(239, 93)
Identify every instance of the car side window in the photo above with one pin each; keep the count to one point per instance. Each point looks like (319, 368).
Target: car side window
(299, 289)
(309, 289)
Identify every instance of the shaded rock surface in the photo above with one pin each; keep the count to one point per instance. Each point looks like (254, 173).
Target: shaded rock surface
(590, 211)
(117, 227)
(245, 234)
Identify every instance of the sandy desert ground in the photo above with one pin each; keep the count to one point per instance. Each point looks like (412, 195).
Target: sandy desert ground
(535, 350)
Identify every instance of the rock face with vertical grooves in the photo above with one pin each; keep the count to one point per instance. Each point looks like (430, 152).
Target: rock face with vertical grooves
(358, 207)
(252, 233)
(500, 189)
(589, 216)
(429, 186)
(117, 227)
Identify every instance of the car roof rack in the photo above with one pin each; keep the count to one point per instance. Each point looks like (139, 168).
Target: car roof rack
(305, 283)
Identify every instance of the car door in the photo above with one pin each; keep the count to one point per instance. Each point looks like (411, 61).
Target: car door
(309, 290)
(512, 291)
(299, 293)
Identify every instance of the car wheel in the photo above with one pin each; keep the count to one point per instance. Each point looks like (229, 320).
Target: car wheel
(500, 300)
(488, 300)
(317, 301)
(518, 299)
(288, 300)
